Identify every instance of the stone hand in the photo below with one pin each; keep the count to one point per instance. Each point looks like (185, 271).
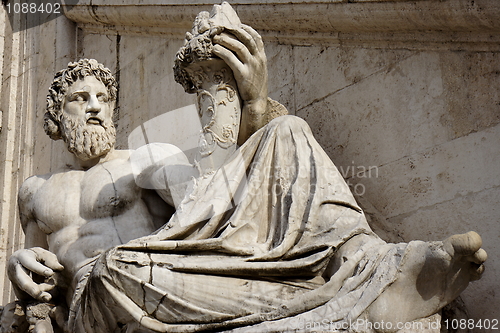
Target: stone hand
(243, 51)
(35, 260)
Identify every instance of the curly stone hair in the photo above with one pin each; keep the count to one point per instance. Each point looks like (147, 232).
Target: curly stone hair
(65, 78)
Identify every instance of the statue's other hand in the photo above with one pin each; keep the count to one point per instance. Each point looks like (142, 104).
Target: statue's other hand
(243, 51)
(21, 266)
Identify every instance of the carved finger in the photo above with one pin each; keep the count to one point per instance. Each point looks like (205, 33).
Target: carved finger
(48, 258)
(234, 45)
(25, 283)
(29, 259)
(230, 58)
(46, 286)
(255, 36)
(246, 38)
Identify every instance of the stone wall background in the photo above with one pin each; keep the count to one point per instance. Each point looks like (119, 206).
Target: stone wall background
(406, 91)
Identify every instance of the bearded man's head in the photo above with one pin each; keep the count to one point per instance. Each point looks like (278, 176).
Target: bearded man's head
(83, 140)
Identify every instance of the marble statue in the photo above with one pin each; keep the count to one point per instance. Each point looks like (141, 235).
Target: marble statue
(261, 232)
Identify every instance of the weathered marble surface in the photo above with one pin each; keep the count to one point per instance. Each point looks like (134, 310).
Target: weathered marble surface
(467, 207)
(313, 265)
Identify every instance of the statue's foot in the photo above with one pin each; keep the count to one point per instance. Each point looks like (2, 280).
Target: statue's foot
(432, 275)
(466, 251)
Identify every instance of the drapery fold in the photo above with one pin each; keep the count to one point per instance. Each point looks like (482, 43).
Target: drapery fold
(251, 243)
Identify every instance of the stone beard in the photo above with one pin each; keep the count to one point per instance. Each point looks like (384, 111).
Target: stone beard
(88, 141)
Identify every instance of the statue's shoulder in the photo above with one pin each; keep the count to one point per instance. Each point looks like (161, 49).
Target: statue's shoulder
(31, 185)
(117, 157)
(122, 154)
(26, 193)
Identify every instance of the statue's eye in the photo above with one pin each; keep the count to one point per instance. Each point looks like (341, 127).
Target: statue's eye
(103, 98)
(77, 98)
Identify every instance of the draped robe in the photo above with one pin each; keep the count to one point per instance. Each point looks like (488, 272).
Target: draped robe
(252, 244)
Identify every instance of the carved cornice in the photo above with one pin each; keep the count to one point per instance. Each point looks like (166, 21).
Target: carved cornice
(460, 21)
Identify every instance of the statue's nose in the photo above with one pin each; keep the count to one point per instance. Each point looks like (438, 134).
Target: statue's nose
(93, 104)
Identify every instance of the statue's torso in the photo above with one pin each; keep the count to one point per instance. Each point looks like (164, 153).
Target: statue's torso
(84, 213)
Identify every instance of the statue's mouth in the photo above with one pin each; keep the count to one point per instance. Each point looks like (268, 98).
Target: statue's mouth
(94, 121)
